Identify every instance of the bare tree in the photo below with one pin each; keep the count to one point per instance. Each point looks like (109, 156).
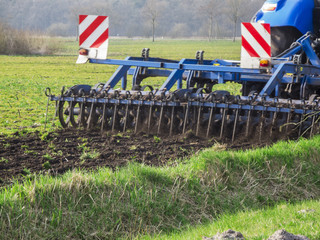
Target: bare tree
(153, 10)
(235, 10)
(211, 9)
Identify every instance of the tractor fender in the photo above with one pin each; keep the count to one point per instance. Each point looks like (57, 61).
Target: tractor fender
(291, 13)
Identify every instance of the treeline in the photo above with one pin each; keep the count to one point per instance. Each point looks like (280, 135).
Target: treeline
(162, 18)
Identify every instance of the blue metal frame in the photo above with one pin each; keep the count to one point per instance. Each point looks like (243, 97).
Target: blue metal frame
(218, 71)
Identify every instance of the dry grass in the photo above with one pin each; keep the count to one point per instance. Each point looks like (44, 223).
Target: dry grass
(19, 42)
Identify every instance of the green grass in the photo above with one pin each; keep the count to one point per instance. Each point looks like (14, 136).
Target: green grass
(255, 192)
(259, 224)
(23, 79)
(214, 187)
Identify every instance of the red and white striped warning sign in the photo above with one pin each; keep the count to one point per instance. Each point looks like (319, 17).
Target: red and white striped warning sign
(93, 36)
(256, 44)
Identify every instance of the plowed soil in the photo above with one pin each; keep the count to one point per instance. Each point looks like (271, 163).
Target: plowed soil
(64, 150)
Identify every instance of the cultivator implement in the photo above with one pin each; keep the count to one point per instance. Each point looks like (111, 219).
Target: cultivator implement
(278, 101)
(279, 95)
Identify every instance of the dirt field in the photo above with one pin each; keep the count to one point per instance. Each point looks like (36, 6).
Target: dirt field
(63, 150)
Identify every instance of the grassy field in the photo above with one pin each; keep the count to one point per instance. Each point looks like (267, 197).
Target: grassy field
(245, 190)
(255, 191)
(23, 79)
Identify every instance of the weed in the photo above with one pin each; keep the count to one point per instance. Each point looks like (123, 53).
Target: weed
(44, 136)
(48, 157)
(120, 135)
(59, 153)
(6, 145)
(46, 165)
(133, 147)
(89, 155)
(157, 139)
(52, 146)
(24, 146)
(83, 147)
(117, 152)
(26, 171)
(4, 160)
(27, 151)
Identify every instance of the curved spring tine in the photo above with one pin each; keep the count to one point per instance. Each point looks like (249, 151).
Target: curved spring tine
(137, 119)
(171, 123)
(198, 120)
(90, 116)
(160, 119)
(274, 118)
(236, 118)
(125, 118)
(47, 109)
(103, 116)
(288, 116)
(223, 122)
(209, 123)
(261, 125)
(312, 125)
(235, 125)
(115, 109)
(149, 118)
(185, 119)
(71, 113)
(302, 119)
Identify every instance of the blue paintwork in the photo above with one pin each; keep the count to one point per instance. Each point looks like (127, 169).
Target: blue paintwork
(295, 13)
(216, 70)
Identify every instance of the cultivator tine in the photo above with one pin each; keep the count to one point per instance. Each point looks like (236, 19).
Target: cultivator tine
(273, 123)
(115, 109)
(160, 119)
(209, 123)
(103, 117)
(71, 110)
(128, 97)
(81, 114)
(274, 117)
(125, 119)
(137, 119)
(198, 121)
(289, 116)
(248, 121)
(223, 122)
(185, 119)
(261, 125)
(171, 121)
(235, 125)
(48, 94)
(149, 118)
(151, 97)
(312, 125)
(90, 116)
(302, 119)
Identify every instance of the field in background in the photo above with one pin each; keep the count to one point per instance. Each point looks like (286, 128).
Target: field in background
(23, 79)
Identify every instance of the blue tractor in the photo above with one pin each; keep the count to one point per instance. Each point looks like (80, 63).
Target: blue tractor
(289, 20)
(279, 97)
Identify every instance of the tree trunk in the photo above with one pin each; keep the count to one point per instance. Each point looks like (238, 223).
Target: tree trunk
(235, 31)
(153, 29)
